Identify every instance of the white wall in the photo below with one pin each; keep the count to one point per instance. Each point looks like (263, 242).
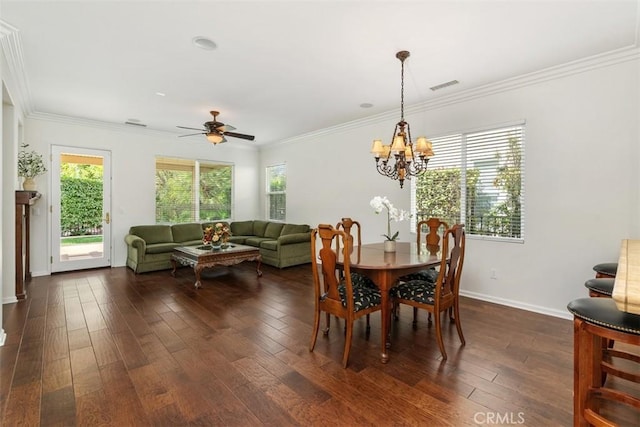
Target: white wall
(133, 153)
(581, 180)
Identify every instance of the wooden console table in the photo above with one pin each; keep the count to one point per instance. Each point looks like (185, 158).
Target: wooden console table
(24, 199)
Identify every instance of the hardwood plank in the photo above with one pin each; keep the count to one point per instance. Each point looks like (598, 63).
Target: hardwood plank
(104, 347)
(58, 407)
(167, 336)
(130, 350)
(23, 405)
(93, 316)
(74, 314)
(124, 404)
(84, 370)
(56, 345)
(92, 411)
(56, 375)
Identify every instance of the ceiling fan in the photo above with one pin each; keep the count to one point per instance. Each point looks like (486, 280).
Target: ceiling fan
(216, 131)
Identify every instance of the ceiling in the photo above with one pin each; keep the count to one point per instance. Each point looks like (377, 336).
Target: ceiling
(284, 68)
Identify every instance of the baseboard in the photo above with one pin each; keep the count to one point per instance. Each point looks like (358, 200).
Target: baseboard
(3, 337)
(40, 273)
(9, 300)
(518, 304)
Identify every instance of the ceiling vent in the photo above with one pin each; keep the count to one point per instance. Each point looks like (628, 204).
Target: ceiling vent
(443, 85)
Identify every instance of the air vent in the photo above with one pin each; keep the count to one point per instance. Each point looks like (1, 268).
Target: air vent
(443, 85)
(135, 124)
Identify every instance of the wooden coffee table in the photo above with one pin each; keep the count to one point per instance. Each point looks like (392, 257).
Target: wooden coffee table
(201, 257)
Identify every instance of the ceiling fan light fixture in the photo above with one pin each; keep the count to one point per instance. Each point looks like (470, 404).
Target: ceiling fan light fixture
(215, 138)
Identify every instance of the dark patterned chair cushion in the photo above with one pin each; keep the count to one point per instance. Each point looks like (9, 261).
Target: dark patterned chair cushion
(362, 297)
(430, 275)
(358, 279)
(415, 290)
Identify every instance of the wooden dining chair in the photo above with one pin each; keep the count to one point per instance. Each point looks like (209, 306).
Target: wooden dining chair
(335, 294)
(435, 229)
(357, 279)
(441, 296)
(347, 224)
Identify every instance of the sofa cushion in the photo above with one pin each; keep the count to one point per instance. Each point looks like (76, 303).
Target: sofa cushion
(273, 230)
(153, 233)
(256, 241)
(242, 228)
(272, 245)
(160, 248)
(259, 227)
(294, 228)
(186, 232)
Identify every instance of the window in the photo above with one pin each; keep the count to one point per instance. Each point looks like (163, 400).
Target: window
(491, 165)
(190, 190)
(277, 192)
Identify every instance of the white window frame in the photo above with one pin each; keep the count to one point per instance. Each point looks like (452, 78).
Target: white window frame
(269, 193)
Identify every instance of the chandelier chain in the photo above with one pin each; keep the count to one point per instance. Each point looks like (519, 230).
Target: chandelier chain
(402, 91)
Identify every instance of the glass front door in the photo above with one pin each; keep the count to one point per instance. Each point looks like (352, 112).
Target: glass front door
(80, 208)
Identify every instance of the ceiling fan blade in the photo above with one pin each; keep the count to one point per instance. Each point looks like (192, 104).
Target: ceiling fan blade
(240, 135)
(225, 128)
(184, 127)
(191, 134)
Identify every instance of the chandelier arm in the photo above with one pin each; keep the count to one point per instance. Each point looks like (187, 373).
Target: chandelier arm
(385, 169)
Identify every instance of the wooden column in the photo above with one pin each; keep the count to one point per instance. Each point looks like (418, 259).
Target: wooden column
(24, 200)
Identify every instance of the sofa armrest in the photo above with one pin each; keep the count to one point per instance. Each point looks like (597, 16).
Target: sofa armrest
(136, 242)
(294, 238)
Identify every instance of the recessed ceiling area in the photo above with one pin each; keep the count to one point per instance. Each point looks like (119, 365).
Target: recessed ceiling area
(281, 69)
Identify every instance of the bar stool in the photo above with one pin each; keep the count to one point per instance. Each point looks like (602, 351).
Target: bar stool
(595, 320)
(602, 287)
(606, 269)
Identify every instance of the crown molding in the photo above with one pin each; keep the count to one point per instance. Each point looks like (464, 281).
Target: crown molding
(607, 59)
(17, 83)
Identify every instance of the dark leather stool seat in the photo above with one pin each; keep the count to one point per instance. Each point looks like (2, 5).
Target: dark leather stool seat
(602, 287)
(596, 320)
(606, 269)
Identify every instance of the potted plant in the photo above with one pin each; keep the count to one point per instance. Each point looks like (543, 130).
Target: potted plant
(30, 165)
(378, 203)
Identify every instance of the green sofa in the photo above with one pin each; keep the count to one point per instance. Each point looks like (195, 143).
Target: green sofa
(149, 247)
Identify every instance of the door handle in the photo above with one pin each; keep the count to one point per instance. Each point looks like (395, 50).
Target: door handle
(107, 219)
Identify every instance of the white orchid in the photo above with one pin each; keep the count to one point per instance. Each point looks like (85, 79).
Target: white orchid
(379, 203)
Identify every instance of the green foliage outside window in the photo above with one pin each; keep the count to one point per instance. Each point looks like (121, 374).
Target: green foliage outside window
(215, 193)
(438, 194)
(81, 206)
(174, 196)
(176, 193)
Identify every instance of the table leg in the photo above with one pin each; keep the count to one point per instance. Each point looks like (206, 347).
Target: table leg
(385, 316)
(197, 270)
(258, 268)
(175, 265)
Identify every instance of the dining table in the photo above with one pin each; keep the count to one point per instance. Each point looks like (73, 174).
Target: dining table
(385, 268)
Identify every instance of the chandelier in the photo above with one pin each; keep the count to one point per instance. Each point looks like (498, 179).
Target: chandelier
(410, 160)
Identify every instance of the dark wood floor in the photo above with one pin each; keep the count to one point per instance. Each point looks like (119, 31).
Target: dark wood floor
(108, 347)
